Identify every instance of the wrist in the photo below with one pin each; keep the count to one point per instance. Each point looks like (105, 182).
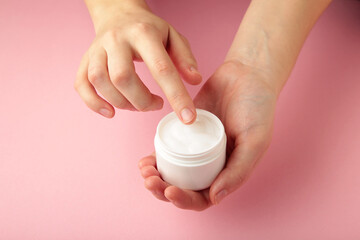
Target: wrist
(104, 12)
(259, 62)
(270, 36)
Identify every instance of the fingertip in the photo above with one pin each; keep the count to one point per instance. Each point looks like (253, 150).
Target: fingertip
(186, 199)
(156, 186)
(216, 193)
(106, 112)
(183, 58)
(217, 186)
(155, 182)
(173, 194)
(140, 164)
(148, 171)
(197, 79)
(187, 115)
(89, 95)
(158, 102)
(212, 197)
(225, 183)
(192, 76)
(220, 196)
(150, 183)
(147, 161)
(170, 193)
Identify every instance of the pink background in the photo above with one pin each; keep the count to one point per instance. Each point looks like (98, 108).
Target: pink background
(68, 173)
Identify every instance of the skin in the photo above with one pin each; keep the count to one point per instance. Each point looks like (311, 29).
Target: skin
(128, 31)
(245, 104)
(242, 92)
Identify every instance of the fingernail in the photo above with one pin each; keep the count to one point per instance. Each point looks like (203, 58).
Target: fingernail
(220, 196)
(105, 112)
(187, 115)
(194, 69)
(175, 203)
(158, 193)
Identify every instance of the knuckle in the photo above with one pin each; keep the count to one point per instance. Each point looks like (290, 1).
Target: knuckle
(111, 35)
(95, 76)
(122, 77)
(176, 97)
(163, 67)
(142, 28)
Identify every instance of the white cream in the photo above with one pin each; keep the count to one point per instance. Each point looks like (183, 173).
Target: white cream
(190, 139)
(190, 156)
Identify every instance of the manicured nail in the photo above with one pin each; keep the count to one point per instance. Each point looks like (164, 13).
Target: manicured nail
(187, 115)
(220, 196)
(105, 112)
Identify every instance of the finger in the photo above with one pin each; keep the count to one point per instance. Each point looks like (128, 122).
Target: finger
(238, 168)
(164, 72)
(147, 161)
(122, 74)
(149, 171)
(157, 187)
(187, 199)
(184, 60)
(99, 78)
(88, 93)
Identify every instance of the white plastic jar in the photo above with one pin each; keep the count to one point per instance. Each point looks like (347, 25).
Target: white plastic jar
(190, 156)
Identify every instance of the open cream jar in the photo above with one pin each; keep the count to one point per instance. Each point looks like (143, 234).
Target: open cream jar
(190, 156)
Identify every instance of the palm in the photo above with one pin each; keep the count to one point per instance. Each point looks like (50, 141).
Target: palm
(241, 100)
(245, 104)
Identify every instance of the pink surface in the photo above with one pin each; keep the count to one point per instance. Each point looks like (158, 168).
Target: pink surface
(67, 173)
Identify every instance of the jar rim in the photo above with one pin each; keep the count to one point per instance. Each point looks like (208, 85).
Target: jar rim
(189, 161)
(200, 154)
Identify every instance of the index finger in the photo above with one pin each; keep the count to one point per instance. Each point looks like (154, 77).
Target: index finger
(164, 72)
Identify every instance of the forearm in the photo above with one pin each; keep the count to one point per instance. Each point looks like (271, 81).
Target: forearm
(272, 33)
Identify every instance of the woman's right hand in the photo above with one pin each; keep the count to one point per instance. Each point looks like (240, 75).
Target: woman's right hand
(244, 101)
(128, 31)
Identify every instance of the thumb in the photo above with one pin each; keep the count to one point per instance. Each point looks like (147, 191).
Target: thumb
(238, 168)
(180, 53)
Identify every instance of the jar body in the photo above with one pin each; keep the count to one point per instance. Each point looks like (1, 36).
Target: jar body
(196, 170)
(193, 177)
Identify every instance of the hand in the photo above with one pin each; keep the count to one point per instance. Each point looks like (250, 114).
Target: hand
(241, 97)
(128, 31)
